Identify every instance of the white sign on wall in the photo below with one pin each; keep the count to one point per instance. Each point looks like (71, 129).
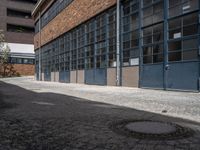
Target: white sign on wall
(134, 61)
(177, 35)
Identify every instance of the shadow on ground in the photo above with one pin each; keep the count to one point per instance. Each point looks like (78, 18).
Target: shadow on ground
(48, 121)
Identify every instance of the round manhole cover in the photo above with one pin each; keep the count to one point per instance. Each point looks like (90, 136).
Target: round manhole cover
(147, 129)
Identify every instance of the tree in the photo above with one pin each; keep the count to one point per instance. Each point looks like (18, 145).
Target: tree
(4, 55)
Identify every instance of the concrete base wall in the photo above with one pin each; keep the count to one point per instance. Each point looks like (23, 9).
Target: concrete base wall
(73, 77)
(56, 77)
(35, 76)
(111, 76)
(81, 77)
(53, 76)
(130, 76)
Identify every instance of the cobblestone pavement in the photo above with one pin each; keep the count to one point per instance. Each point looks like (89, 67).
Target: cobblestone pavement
(177, 104)
(41, 116)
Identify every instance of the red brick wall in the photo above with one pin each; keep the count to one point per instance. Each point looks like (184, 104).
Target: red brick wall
(76, 13)
(24, 69)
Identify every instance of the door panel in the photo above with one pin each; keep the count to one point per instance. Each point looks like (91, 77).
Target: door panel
(183, 76)
(100, 76)
(152, 76)
(64, 76)
(47, 75)
(95, 76)
(89, 76)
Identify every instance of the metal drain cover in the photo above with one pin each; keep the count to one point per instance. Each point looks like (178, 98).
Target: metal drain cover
(149, 127)
(154, 130)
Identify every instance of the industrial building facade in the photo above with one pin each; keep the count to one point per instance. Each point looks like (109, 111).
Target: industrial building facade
(155, 43)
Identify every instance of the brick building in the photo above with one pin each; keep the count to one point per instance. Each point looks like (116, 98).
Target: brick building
(135, 43)
(18, 27)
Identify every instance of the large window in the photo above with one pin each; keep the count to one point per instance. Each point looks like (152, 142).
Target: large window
(130, 33)
(62, 53)
(44, 59)
(18, 13)
(67, 52)
(101, 49)
(81, 45)
(37, 27)
(27, 1)
(183, 38)
(53, 56)
(179, 7)
(57, 61)
(19, 28)
(152, 11)
(17, 60)
(153, 44)
(90, 39)
(74, 49)
(112, 38)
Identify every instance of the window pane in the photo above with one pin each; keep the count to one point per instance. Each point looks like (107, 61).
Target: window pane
(158, 58)
(157, 17)
(147, 59)
(174, 46)
(147, 51)
(147, 12)
(173, 3)
(158, 33)
(147, 21)
(190, 55)
(175, 11)
(190, 19)
(146, 2)
(190, 26)
(175, 29)
(134, 53)
(147, 35)
(175, 56)
(134, 21)
(126, 45)
(190, 30)
(190, 44)
(157, 49)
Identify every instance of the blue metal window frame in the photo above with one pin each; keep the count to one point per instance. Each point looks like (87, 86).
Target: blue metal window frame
(135, 49)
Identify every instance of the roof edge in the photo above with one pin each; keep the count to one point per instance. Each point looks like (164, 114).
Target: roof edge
(39, 3)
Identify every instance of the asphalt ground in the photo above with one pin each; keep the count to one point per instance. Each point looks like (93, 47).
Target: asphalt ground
(35, 120)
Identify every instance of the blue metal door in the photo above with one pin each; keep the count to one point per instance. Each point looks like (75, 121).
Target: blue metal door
(47, 75)
(183, 75)
(153, 76)
(64, 76)
(95, 76)
(179, 76)
(100, 76)
(89, 76)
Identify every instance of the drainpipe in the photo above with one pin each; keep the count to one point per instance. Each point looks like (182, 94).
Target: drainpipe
(118, 44)
(40, 75)
(166, 63)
